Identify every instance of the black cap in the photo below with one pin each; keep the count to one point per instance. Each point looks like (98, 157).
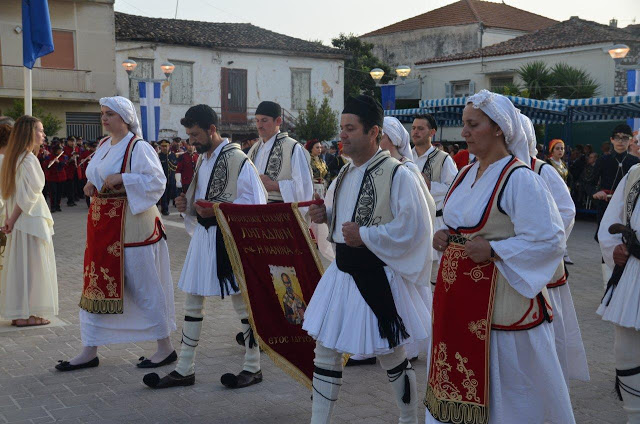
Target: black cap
(268, 108)
(367, 108)
(201, 115)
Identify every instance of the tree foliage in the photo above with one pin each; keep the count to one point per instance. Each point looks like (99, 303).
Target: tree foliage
(537, 80)
(561, 81)
(50, 123)
(572, 83)
(317, 122)
(357, 79)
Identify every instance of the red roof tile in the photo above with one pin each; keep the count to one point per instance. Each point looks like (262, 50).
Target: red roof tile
(571, 33)
(463, 12)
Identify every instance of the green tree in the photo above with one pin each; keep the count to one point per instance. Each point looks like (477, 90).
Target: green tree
(537, 80)
(317, 122)
(356, 68)
(50, 123)
(572, 83)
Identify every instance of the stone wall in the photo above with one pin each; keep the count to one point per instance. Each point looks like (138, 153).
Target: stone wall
(633, 58)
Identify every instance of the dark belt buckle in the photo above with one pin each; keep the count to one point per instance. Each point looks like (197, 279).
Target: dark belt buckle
(458, 239)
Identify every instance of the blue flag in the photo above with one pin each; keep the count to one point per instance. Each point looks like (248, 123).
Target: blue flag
(37, 40)
(388, 97)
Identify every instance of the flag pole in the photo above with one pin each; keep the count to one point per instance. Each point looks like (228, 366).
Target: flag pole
(28, 92)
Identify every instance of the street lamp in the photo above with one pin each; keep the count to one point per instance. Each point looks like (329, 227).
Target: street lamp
(376, 74)
(167, 68)
(403, 72)
(129, 65)
(619, 52)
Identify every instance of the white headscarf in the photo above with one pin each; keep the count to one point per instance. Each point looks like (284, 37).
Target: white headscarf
(530, 134)
(398, 135)
(127, 111)
(504, 113)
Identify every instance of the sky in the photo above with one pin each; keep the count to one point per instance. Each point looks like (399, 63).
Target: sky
(325, 19)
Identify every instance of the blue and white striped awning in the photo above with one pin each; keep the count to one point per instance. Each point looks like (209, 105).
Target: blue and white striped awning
(448, 112)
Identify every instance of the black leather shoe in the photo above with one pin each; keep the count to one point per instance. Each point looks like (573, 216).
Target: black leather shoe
(146, 363)
(174, 379)
(66, 366)
(355, 362)
(244, 379)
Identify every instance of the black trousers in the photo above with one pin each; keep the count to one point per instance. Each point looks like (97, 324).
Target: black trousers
(55, 193)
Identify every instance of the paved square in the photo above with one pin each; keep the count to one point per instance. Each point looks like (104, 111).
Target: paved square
(32, 391)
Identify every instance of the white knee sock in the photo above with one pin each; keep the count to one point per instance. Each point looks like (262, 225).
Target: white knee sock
(327, 379)
(191, 329)
(627, 353)
(252, 351)
(403, 380)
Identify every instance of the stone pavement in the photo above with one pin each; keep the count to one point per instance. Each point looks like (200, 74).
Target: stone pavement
(31, 391)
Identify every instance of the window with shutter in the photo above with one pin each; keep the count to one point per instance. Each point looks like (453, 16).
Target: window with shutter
(461, 88)
(182, 83)
(499, 83)
(300, 88)
(64, 55)
(143, 70)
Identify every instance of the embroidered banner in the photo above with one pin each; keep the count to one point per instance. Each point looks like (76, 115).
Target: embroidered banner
(458, 384)
(277, 268)
(103, 282)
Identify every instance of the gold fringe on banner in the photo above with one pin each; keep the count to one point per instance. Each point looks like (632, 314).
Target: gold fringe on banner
(238, 272)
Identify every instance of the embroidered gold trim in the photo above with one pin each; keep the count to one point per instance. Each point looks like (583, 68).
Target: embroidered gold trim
(479, 328)
(238, 271)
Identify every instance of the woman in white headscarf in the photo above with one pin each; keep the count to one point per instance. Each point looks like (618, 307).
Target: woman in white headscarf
(569, 346)
(126, 167)
(396, 140)
(497, 261)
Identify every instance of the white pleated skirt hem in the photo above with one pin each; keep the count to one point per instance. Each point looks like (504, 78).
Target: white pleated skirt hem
(149, 312)
(568, 338)
(199, 272)
(623, 307)
(526, 381)
(339, 318)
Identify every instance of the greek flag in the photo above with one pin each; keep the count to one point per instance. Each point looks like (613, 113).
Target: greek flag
(633, 89)
(150, 109)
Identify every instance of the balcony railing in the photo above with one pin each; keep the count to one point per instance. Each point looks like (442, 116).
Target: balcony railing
(47, 79)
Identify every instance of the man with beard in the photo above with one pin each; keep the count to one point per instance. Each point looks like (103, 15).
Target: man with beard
(438, 170)
(207, 270)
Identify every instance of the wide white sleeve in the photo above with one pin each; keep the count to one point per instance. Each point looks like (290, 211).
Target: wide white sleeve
(328, 200)
(562, 197)
(250, 188)
(614, 214)
(530, 258)
(300, 187)
(29, 184)
(404, 244)
(146, 182)
(448, 174)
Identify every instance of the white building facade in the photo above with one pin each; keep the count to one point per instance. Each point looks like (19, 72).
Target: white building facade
(232, 81)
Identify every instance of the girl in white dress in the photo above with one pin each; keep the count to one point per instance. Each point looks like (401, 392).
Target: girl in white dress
(28, 282)
(148, 310)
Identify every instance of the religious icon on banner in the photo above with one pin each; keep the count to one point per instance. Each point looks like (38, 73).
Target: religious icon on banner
(287, 287)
